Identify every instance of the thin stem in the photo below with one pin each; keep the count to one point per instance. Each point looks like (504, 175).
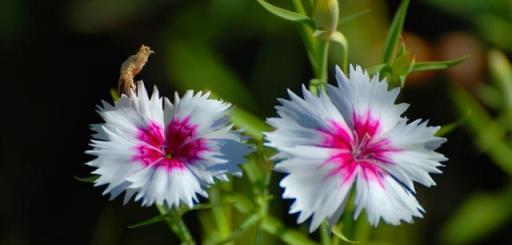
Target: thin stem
(362, 230)
(318, 84)
(289, 236)
(344, 64)
(219, 213)
(323, 47)
(177, 225)
(324, 234)
(180, 228)
(307, 36)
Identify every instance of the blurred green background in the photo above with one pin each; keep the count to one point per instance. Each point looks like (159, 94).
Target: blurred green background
(60, 58)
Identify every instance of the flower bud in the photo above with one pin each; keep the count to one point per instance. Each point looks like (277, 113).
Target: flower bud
(326, 15)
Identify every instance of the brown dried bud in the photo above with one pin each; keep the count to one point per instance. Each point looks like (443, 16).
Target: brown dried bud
(131, 67)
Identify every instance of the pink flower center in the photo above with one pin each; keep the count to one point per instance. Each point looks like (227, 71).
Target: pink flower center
(173, 148)
(357, 149)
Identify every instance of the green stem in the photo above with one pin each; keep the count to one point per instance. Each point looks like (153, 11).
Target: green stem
(344, 64)
(324, 234)
(362, 230)
(318, 84)
(275, 227)
(307, 36)
(323, 47)
(177, 225)
(219, 213)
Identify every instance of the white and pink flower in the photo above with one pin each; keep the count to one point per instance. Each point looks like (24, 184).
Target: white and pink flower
(353, 135)
(162, 152)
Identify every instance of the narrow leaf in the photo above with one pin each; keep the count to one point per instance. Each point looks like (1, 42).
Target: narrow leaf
(251, 124)
(353, 16)
(287, 14)
(243, 228)
(377, 68)
(203, 206)
(394, 31)
(89, 179)
(452, 126)
(114, 94)
(489, 136)
(477, 217)
(150, 221)
(438, 65)
(337, 232)
(501, 71)
(274, 226)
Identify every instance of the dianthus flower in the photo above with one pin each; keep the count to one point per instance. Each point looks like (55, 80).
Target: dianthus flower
(352, 136)
(162, 152)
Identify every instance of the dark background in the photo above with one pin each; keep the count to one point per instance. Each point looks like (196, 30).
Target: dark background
(57, 65)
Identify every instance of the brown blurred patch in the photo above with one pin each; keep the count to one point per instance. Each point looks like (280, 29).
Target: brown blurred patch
(456, 44)
(423, 51)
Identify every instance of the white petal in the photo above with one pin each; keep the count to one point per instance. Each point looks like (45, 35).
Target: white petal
(387, 200)
(361, 94)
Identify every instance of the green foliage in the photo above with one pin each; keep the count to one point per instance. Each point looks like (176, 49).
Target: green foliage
(287, 14)
(438, 65)
(275, 227)
(489, 135)
(394, 31)
(89, 179)
(483, 213)
(445, 129)
(338, 233)
(215, 75)
(479, 216)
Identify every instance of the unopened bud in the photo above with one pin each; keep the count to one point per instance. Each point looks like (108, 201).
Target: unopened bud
(326, 15)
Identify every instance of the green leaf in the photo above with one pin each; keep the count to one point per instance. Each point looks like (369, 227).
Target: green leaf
(337, 232)
(489, 136)
(89, 179)
(501, 70)
(353, 16)
(215, 75)
(275, 227)
(399, 68)
(452, 126)
(394, 31)
(243, 228)
(287, 14)
(114, 94)
(438, 65)
(377, 68)
(150, 221)
(478, 217)
(339, 38)
(251, 124)
(490, 96)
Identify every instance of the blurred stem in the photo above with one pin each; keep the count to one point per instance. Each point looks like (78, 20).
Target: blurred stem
(177, 225)
(323, 50)
(344, 65)
(219, 213)
(289, 236)
(324, 234)
(307, 36)
(318, 83)
(362, 230)
(348, 216)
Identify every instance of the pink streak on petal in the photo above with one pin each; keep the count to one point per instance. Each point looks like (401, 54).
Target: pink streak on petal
(181, 141)
(365, 125)
(357, 149)
(172, 149)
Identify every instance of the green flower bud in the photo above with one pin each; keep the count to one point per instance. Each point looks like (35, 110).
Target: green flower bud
(326, 15)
